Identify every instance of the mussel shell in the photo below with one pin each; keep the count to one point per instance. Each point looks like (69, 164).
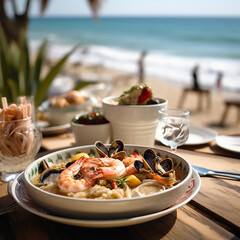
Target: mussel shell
(119, 155)
(43, 166)
(50, 175)
(101, 149)
(150, 156)
(114, 151)
(116, 146)
(167, 164)
(138, 165)
(69, 163)
(166, 174)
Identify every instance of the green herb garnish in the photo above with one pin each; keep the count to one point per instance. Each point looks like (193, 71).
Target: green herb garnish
(139, 86)
(121, 182)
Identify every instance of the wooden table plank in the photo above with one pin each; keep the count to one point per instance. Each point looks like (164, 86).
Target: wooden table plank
(59, 141)
(218, 195)
(185, 223)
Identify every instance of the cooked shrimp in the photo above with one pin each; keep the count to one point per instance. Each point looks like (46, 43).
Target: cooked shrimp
(166, 181)
(91, 170)
(104, 168)
(66, 181)
(129, 163)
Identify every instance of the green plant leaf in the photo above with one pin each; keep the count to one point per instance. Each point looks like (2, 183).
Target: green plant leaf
(24, 66)
(37, 67)
(4, 63)
(3, 41)
(81, 85)
(14, 91)
(46, 82)
(14, 54)
(19, 77)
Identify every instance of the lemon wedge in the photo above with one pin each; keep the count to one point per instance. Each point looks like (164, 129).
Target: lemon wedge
(77, 156)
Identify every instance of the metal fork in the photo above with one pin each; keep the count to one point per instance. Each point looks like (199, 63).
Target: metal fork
(9, 208)
(208, 172)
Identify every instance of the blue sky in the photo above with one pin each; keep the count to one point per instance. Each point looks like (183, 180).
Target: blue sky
(142, 7)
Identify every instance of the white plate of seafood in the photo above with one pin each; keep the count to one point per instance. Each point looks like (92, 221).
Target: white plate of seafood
(19, 193)
(107, 181)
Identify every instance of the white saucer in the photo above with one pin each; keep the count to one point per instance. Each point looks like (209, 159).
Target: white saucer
(47, 130)
(231, 143)
(20, 195)
(197, 135)
(200, 135)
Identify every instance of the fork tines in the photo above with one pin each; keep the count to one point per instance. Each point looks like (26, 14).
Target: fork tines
(9, 208)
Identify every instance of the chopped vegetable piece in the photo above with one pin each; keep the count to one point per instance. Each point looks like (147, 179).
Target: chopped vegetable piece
(77, 156)
(132, 181)
(114, 185)
(91, 119)
(145, 96)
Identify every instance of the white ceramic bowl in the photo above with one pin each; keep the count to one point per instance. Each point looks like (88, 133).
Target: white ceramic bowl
(105, 209)
(134, 124)
(60, 116)
(86, 134)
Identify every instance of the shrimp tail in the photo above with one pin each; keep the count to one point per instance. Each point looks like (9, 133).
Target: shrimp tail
(130, 170)
(162, 180)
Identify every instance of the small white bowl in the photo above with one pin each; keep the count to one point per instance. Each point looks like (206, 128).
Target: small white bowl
(109, 208)
(134, 124)
(89, 134)
(59, 116)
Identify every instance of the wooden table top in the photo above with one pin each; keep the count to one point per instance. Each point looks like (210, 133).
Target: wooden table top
(214, 213)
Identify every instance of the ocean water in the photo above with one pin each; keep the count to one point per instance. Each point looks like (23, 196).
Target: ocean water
(173, 45)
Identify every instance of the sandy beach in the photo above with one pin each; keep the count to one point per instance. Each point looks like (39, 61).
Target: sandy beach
(208, 117)
(174, 46)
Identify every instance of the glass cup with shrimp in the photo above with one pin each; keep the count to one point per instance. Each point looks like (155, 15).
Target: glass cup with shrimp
(20, 139)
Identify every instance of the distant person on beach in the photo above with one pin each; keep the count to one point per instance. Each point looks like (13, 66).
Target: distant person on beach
(195, 77)
(141, 66)
(219, 80)
(84, 51)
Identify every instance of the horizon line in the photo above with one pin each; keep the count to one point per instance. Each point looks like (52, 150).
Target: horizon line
(138, 16)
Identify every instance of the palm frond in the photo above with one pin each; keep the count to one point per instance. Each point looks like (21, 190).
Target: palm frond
(46, 82)
(19, 76)
(81, 85)
(95, 6)
(44, 4)
(37, 66)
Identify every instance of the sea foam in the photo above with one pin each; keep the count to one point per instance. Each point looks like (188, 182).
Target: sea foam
(176, 69)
